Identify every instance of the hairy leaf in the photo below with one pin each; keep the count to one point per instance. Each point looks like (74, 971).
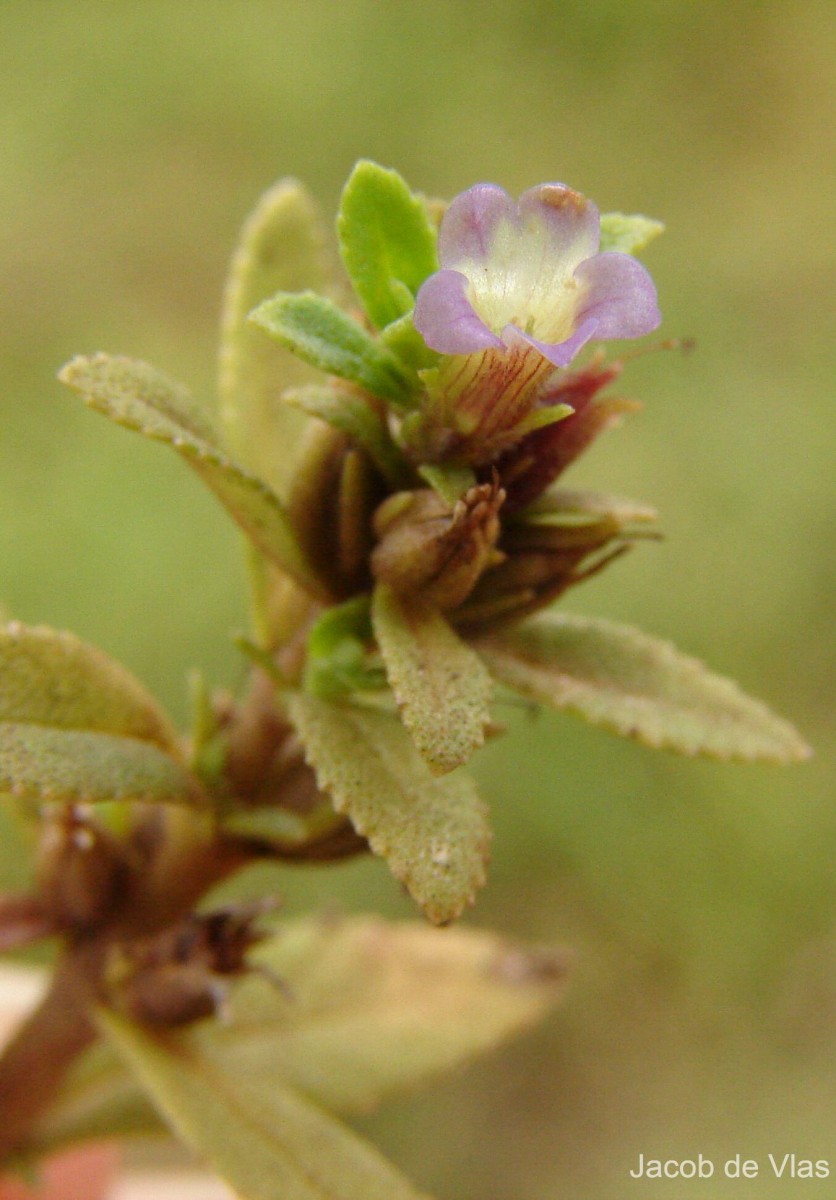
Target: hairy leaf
(372, 1009)
(628, 233)
(387, 241)
(326, 337)
(73, 766)
(638, 686)
(53, 678)
(432, 832)
(441, 686)
(281, 249)
(141, 398)
(266, 1141)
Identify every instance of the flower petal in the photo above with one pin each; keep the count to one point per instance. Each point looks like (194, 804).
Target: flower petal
(559, 353)
(562, 223)
(620, 296)
(470, 225)
(445, 318)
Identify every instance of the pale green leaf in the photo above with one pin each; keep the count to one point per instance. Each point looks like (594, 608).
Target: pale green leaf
(638, 686)
(280, 827)
(561, 506)
(372, 1009)
(326, 337)
(404, 340)
(53, 678)
(266, 1141)
(449, 482)
(282, 249)
(441, 686)
(98, 1099)
(432, 832)
(387, 241)
(141, 398)
(378, 1007)
(352, 414)
(626, 233)
(336, 657)
(74, 766)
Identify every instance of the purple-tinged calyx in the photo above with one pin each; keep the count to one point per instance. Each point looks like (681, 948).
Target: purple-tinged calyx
(530, 273)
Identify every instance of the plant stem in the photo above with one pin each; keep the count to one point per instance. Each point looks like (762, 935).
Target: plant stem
(40, 1054)
(35, 1062)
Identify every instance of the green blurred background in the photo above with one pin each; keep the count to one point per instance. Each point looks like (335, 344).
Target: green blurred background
(699, 898)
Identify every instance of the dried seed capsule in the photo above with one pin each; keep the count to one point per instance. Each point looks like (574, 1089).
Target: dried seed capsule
(431, 551)
(178, 976)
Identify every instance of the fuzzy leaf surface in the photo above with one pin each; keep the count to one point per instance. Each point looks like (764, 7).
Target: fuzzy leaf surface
(441, 686)
(627, 233)
(432, 832)
(265, 1140)
(326, 337)
(139, 397)
(73, 766)
(282, 249)
(377, 1008)
(53, 678)
(638, 686)
(387, 241)
(76, 725)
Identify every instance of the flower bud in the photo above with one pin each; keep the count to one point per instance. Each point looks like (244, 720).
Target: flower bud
(435, 552)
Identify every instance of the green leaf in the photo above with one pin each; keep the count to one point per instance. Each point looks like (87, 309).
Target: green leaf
(267, 1142)
(387, 241)
(564, 507)
(377, 1008)
(404, 340)
(638, 686)
(352, 414)
(441, 686)
(432, 832)
(627, 233)
(76, 766)
(141, 398)
(281, 828)
(326, 337)
(448, 482)
(75, 725)
(99, 1099)
(336, 661)
(380, 1007)
(281, 249)
(52, 678)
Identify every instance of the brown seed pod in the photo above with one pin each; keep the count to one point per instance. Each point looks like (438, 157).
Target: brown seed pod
(435, 552)
(180, 975)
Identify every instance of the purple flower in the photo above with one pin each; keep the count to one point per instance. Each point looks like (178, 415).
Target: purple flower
(529, 275)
